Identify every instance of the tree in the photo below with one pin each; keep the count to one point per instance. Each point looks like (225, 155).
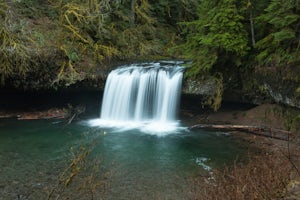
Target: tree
(135, 30)
(280, 43)
(218, 35)
(82, 32)
(250, 8)
(170, 12)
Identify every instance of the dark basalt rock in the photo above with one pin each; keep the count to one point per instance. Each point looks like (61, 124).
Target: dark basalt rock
(263, 85)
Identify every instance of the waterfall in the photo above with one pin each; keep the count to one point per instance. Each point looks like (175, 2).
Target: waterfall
(142, 93)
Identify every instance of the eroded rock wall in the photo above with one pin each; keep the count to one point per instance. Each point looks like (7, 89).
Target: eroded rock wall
(263, 85)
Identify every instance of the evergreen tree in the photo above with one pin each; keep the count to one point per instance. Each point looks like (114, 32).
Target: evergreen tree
(218, 35)
(170, 12)
(281, 42)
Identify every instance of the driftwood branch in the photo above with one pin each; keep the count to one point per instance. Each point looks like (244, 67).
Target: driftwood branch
(74, 112)
(256, 130)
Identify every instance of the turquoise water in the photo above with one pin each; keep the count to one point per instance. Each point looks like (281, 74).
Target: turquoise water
(141, 166)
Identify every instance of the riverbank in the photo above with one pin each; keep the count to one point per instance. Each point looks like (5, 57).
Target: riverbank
(53, 113)
(277, 161)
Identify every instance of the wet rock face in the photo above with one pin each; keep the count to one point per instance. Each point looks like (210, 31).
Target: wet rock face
(268, 85)
(208, 91)
(281, 85)
(281, 96)
(202, 87)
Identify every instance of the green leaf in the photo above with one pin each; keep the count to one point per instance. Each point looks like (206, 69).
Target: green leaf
(283, 35)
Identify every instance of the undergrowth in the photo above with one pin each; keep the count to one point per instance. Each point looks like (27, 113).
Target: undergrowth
(262, 177)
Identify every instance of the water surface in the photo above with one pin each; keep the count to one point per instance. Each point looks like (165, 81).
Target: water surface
(142, 166)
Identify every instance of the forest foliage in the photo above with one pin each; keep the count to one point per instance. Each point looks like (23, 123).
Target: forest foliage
(231, 31)
(54, 42)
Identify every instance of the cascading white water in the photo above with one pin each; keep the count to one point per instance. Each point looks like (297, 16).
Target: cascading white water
(142, 94)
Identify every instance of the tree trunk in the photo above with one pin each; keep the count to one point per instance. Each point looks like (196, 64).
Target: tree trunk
(256, 130)
(132, 17)
(91, 6)
(252, 27)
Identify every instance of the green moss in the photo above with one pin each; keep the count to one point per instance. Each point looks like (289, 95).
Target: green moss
(298, 91)
(215, 100)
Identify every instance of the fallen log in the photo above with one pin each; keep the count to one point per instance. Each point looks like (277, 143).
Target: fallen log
(47, 114)
(35, 117)
(75, 112)
(256, 130)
